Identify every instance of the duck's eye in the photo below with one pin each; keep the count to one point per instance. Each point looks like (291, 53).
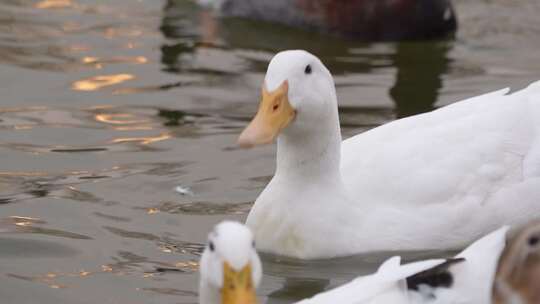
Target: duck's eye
(211, 246)
(307, 70)
(533, 241)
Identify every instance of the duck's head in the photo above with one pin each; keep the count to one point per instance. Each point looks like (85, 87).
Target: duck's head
(230, 269)
(297, 93)
(518, 275)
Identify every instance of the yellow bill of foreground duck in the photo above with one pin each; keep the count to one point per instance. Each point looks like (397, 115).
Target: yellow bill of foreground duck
(437, 180)
(230, 271)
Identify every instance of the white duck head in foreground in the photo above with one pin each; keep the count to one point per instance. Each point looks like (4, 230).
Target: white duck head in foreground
(438, 180)
(230, 269)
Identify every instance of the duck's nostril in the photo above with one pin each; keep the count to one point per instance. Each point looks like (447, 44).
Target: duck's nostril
(275, 107)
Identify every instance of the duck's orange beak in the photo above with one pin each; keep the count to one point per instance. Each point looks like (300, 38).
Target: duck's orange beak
(275, 113)
(237, 286)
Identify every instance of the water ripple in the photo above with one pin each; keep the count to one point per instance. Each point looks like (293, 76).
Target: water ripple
(201, 208)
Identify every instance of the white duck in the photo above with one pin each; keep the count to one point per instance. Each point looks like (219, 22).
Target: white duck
(387, 285)
(230, 268)
(437, 180)
(466, 279)
(231, 271)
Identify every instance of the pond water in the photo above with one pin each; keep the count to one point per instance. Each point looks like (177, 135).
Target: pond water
(118, 123)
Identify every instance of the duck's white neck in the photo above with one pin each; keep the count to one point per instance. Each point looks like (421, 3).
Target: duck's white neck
(313, 151)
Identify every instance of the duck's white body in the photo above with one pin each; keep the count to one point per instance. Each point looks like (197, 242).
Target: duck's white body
(432, 181)
(470, 282)
(386, 286)
(472, 279)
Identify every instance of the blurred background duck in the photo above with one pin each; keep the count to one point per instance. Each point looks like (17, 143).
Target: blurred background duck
(368, 20)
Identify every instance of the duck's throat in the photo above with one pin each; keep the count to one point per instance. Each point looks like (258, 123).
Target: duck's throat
(313, 154)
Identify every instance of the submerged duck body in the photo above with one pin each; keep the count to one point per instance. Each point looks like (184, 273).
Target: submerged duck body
(437, 180)
(362, 19)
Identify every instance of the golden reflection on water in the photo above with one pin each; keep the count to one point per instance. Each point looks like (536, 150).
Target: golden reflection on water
(89, 59)
(119, 59)
(165, 249)
(100, 107)
(22, 127)
(51, 278)
(133, 128)
(111, 32)
(118, 119)
(143, 140)
(48, 4)
(57, 279)
(78, 48)
(23, 224)
(25, 221)
(57, 286)
(106, 268)
(124, 121)
(191, 265)
(84, 273)
(152, 210)
(98, 82)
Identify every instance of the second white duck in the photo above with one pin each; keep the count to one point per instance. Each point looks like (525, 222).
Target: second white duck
(432, 181)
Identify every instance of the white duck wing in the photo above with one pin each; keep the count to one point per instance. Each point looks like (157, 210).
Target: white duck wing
(384, 286)
(477, 162)
(466, 282)
(461, 153)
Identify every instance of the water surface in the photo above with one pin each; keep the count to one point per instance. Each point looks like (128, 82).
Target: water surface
(106, 107)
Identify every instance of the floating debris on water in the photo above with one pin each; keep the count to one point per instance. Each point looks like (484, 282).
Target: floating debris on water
(183, 190)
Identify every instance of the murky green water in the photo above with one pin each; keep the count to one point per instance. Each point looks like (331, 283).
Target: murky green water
(107, 106)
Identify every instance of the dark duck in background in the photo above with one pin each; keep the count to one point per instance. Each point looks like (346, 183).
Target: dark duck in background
(368, 20)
